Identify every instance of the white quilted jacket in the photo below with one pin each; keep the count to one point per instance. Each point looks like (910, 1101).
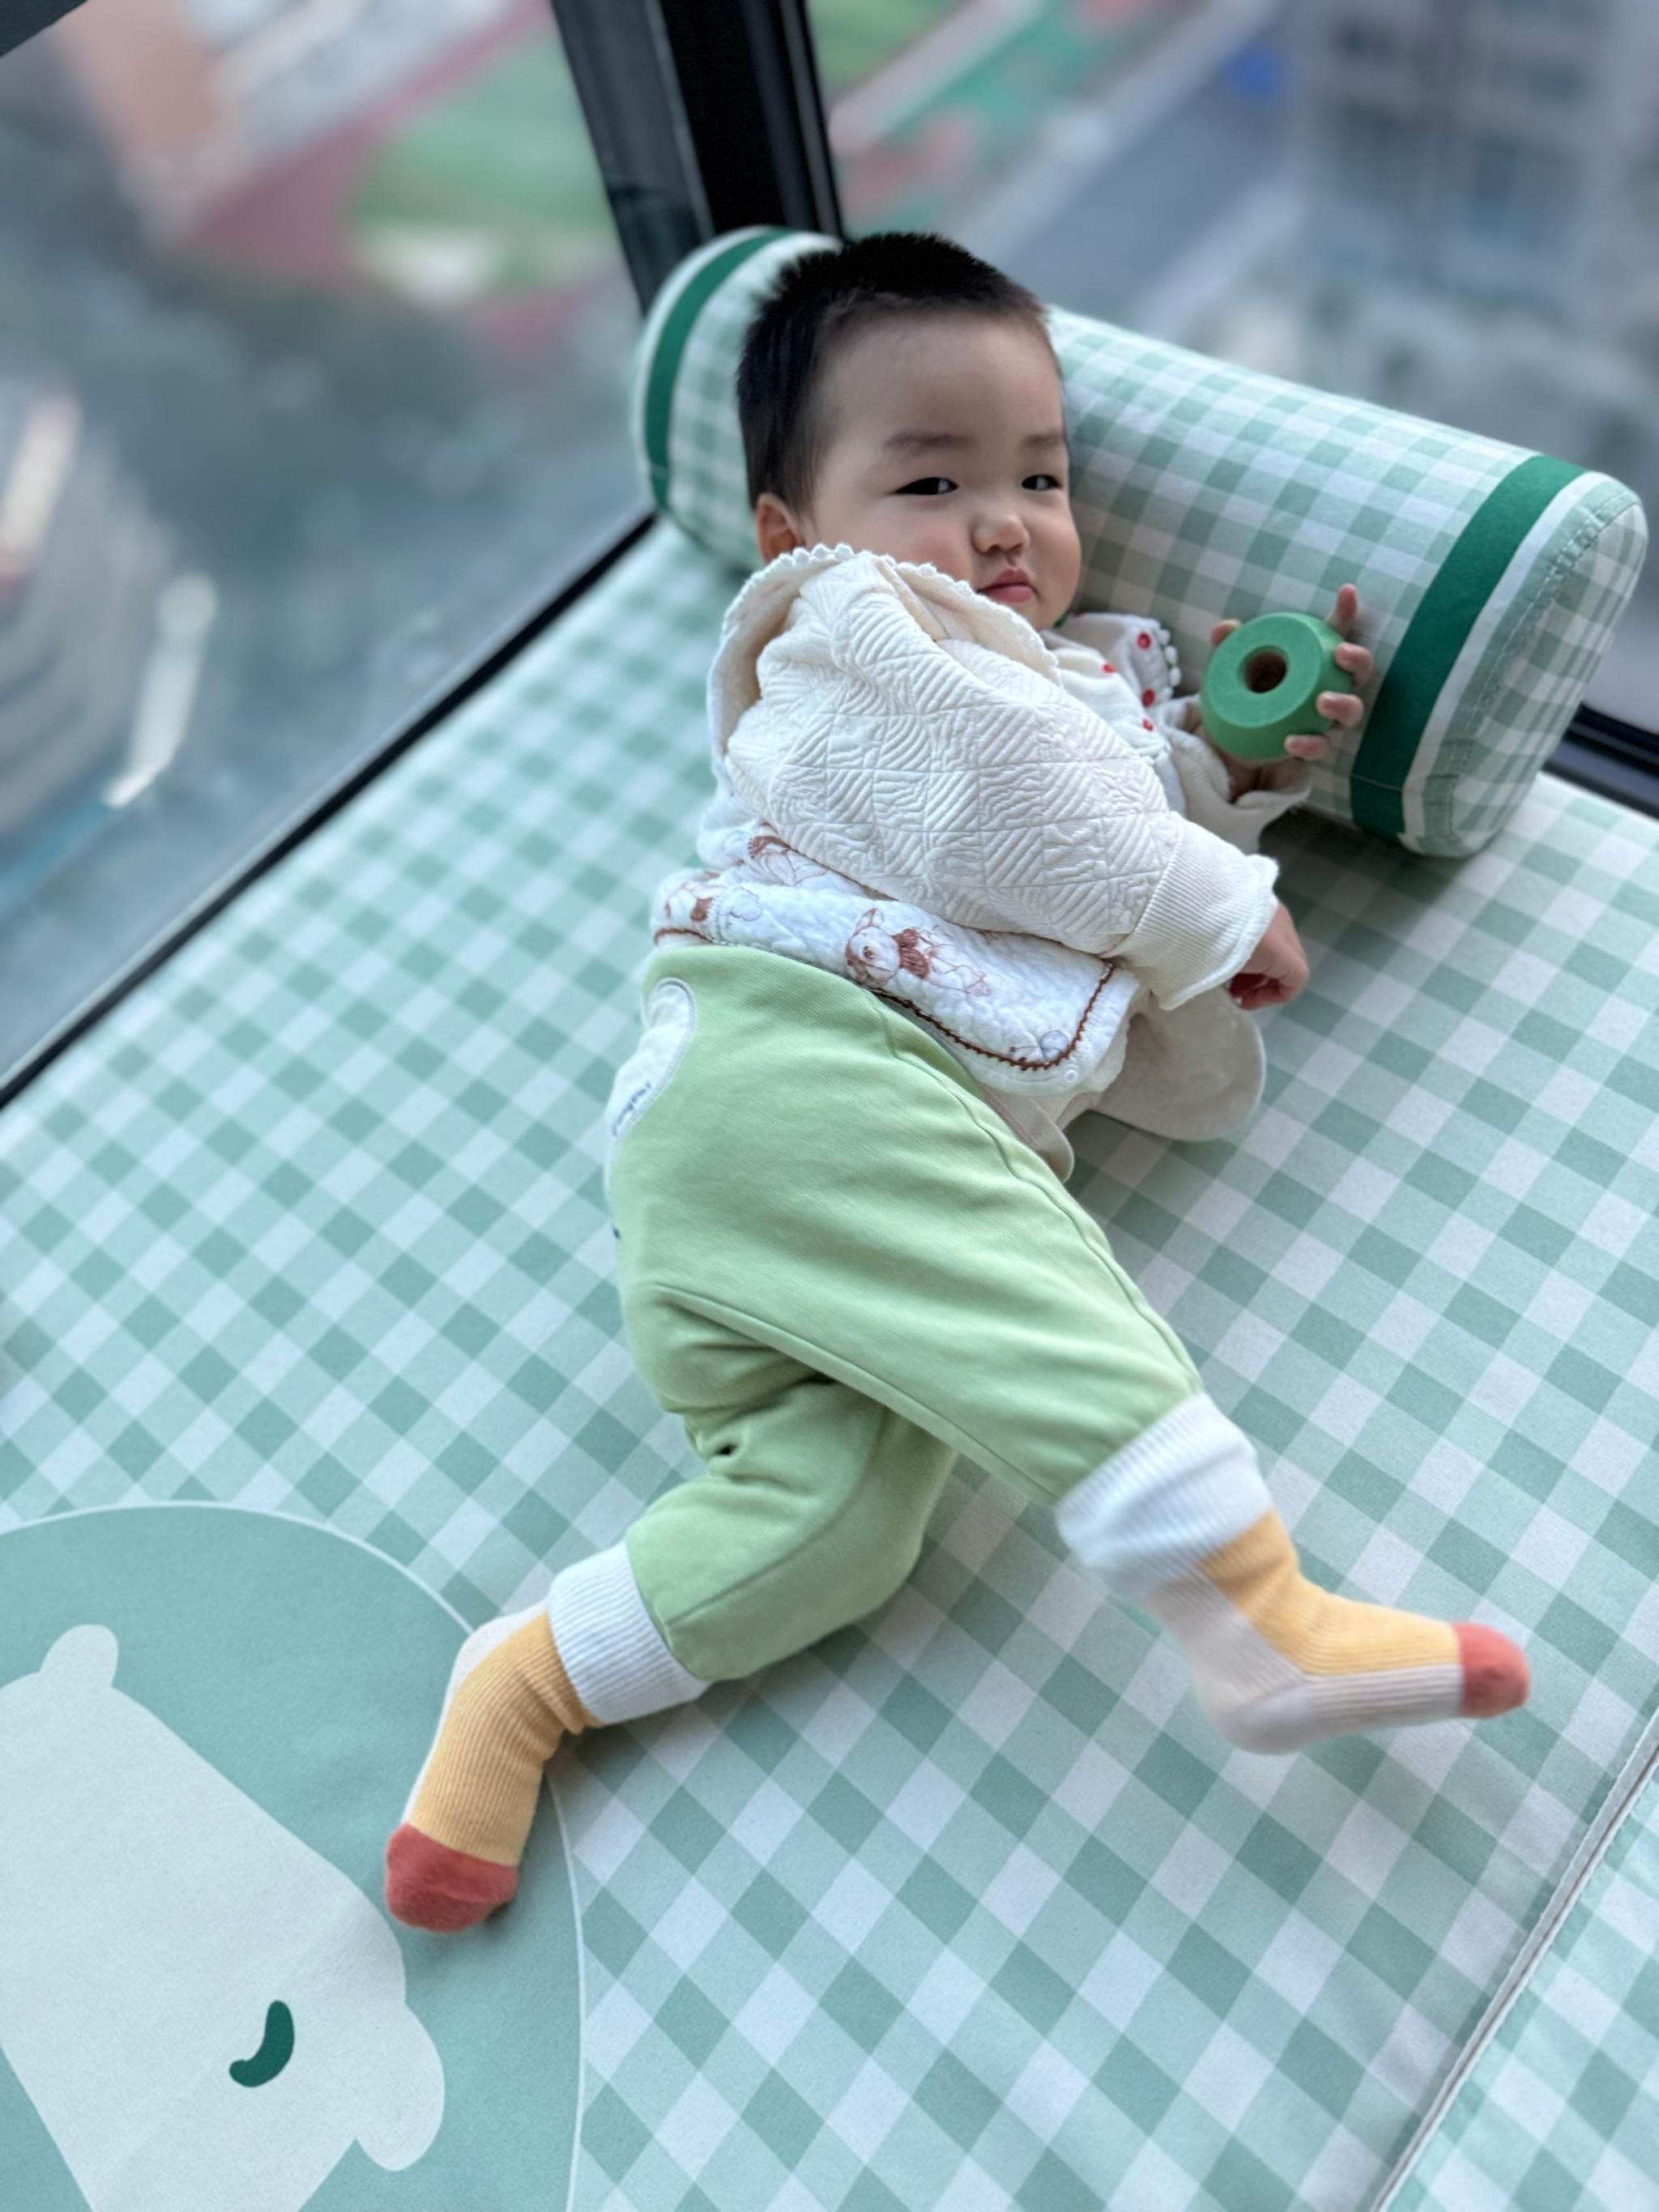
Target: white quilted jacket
(1016, 838)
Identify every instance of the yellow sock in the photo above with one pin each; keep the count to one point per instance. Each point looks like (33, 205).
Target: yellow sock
(1279, 1662)
(456, 1857)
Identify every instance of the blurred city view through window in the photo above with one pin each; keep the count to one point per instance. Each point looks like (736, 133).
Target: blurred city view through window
(311, 314)
(313, 330)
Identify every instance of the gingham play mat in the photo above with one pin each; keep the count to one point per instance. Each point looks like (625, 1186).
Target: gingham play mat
(310, 1357)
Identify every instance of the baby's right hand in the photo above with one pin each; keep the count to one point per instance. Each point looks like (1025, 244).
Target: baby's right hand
(1276, 970)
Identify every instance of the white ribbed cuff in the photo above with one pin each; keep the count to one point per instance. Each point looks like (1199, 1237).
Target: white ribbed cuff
(613, 1651)
(1181, 1490)
(1207, 915)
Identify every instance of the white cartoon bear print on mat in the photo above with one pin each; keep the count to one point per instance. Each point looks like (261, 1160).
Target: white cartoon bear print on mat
(204, 2012)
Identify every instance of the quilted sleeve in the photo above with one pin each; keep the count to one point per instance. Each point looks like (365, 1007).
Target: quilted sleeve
(1205, 917)
(979, 790)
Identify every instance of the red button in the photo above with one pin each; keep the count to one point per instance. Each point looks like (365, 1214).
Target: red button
(1145, 724)
(1146, 638)
(1107, 669)
(1148, 697)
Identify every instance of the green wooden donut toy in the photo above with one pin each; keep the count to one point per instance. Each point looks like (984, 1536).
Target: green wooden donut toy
(1263, 680)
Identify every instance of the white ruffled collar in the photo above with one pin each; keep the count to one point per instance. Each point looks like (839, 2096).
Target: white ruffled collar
(999, 625)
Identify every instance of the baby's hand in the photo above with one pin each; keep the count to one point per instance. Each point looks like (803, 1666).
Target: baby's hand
(1343, 707)
(1278, 968)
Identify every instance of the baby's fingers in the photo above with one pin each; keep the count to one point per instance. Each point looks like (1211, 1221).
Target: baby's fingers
(1221, 630)
(1358, 661)
(1341, 707)
(1307, 748)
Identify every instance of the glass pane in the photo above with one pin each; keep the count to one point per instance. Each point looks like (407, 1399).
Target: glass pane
(310, 314)
(1445, 206)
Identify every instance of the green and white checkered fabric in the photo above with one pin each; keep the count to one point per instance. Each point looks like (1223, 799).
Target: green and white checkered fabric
(1561, 2112)
(966, 1906)
(1536, 690)
(1491, 580)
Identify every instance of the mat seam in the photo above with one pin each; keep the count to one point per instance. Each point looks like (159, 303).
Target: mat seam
(1633, 1777)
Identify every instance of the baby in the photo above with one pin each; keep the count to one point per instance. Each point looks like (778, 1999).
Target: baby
(971, 869)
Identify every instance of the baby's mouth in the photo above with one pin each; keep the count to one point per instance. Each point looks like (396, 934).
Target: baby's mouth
(1012, 590)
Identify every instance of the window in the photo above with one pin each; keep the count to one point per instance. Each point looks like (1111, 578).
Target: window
(308, 398)
(311, 314)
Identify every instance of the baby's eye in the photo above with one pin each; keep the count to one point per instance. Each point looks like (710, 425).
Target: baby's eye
(1045, 479)
(922, 484)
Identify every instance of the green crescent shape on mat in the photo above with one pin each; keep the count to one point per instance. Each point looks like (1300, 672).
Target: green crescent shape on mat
(273, 2054)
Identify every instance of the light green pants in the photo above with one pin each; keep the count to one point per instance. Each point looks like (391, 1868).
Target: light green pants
(841, 1268)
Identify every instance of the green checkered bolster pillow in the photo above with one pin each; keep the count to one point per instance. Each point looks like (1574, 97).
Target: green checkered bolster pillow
(1490, 579)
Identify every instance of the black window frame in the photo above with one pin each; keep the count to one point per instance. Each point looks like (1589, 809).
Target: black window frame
(1616, 759)
(704, 119)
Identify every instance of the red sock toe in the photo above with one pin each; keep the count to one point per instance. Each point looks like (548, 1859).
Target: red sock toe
(429, 1886)
(1496, 1675)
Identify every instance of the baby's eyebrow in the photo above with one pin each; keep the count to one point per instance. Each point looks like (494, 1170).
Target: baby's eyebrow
(924, 442)
(940, 441)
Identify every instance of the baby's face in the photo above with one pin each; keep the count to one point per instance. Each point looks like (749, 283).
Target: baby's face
(947, 444)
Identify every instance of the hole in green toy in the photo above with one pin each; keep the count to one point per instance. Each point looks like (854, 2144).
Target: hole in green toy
(1264, 671)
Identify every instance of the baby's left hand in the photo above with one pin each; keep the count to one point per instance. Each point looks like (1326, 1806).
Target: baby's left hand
(1343, 707)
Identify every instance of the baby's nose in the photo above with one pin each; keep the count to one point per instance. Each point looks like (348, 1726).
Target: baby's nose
(1004, 534)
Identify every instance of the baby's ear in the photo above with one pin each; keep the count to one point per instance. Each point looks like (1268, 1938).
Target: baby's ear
(775, 527)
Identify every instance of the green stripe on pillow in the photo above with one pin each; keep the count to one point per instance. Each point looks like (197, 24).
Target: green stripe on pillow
(671, 347)
(1437, 632)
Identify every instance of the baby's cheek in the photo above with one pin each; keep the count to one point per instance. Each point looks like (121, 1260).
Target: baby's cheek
(947, 549)
(1063, 564)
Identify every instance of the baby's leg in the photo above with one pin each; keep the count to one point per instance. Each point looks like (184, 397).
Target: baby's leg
(455, 1857)
(1004, 1324)
(1030, 1350)
(811, 1513)
(1043, 1360)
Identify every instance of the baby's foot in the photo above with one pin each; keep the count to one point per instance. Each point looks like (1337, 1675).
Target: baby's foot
(456, 1857)
(1279, 1662)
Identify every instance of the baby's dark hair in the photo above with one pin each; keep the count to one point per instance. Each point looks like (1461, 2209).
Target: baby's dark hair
(819, 302)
